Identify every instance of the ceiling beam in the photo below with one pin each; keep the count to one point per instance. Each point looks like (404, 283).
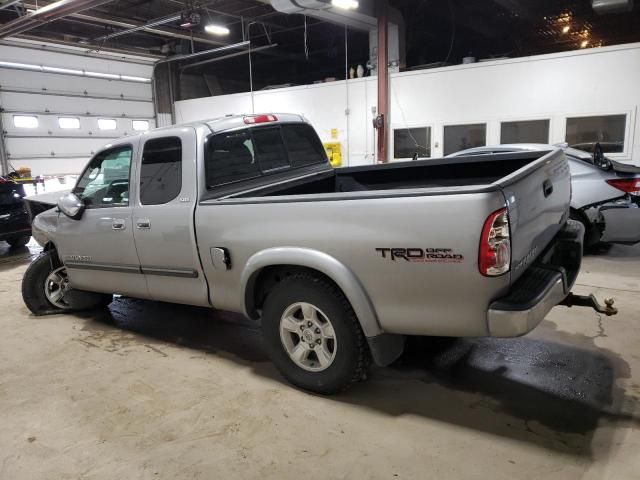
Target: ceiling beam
(133, 24)
(7, 3)
(45, 14)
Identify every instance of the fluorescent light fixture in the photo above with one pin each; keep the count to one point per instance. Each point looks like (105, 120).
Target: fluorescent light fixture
(129, 78)
(69, 71)
(25, 121)
(65, 71)
(345, 4)
(69, 122)
(106, 124)
(51, 6)
(216, 29)
(140, 125)
(20, 66)
(108, 76)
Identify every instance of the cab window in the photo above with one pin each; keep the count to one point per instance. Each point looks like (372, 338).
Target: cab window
(161, 171)
(105, 181)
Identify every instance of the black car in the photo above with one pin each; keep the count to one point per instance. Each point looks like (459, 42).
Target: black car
(15, 224)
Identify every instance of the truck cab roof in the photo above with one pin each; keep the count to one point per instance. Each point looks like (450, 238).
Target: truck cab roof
(229, 122)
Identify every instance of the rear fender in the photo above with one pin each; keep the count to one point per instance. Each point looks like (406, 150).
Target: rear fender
(316, 260)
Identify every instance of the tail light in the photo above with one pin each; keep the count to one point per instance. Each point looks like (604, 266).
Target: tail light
(250, 120)
(627, 185)
(495, 245)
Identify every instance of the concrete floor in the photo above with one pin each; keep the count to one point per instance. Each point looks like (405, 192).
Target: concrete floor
(156, 391)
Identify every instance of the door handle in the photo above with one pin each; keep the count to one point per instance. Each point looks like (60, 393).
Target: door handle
(547, 188)
(118, 224)
(143, 223)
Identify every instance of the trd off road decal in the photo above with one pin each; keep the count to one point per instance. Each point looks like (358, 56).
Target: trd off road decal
(421, 255)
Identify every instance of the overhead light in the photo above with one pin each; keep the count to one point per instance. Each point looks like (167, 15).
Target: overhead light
(68, 71)
(346, 4)
(566, 29)
(51, 6)
(215, 29)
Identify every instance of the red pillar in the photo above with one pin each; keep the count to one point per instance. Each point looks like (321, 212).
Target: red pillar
(383, 82)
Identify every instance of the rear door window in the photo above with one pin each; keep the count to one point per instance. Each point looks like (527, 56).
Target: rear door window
(161, 171)
(303, 145)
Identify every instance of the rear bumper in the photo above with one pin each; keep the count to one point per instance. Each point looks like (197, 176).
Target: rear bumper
(540, 288)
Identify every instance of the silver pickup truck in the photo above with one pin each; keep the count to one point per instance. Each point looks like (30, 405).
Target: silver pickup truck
(245, 213)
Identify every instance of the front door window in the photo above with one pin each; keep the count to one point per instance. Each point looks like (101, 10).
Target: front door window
(105, 181)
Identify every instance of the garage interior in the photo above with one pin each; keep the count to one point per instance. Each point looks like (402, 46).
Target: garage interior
(145, 389)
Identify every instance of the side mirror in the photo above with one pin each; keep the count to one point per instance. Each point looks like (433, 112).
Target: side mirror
(71, 206)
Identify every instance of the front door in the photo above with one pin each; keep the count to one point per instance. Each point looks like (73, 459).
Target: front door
(98, 249)
(163, 218)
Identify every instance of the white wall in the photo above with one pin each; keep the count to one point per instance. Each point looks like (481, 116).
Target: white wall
(49, 150)
(556, 86)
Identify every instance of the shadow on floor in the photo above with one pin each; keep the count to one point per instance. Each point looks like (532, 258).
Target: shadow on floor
(551, 391)
(12, 257)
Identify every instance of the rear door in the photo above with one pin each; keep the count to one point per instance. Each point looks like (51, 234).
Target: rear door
(538, 197)
(163, 218)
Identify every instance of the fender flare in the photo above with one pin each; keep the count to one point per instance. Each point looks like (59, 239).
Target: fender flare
(316, 260)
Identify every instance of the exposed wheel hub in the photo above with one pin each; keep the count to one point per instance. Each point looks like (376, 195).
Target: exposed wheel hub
(55, 287)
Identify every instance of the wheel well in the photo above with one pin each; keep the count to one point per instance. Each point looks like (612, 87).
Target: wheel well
(578, 215)
(263, 281)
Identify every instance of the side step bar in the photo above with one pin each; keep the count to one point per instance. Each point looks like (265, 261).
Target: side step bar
(590, 301)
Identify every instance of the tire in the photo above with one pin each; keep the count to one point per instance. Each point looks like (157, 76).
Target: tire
(16, 242)
(34, 285)
(297, 296)
(591, 232)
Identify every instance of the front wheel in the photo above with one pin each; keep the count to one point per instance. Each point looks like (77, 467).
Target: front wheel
(313, 336)
(46, 289)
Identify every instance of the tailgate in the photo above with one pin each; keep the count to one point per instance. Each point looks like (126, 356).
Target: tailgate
(538, 197)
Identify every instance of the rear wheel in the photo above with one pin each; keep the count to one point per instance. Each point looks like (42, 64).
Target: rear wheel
(46, 288)
(17, 242)
(313, 336)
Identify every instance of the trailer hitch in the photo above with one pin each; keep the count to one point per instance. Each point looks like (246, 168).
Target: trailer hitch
(590, 301)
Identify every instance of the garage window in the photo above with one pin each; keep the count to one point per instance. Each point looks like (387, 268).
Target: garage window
(69, 122)
(161, 171)
(608, 130)
(25, 121)
(412, 143)
(525, 131)
(106, 124)
(461, 137)
(140, 125)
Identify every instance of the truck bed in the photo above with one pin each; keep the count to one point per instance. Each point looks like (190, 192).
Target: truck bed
(435, 173)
